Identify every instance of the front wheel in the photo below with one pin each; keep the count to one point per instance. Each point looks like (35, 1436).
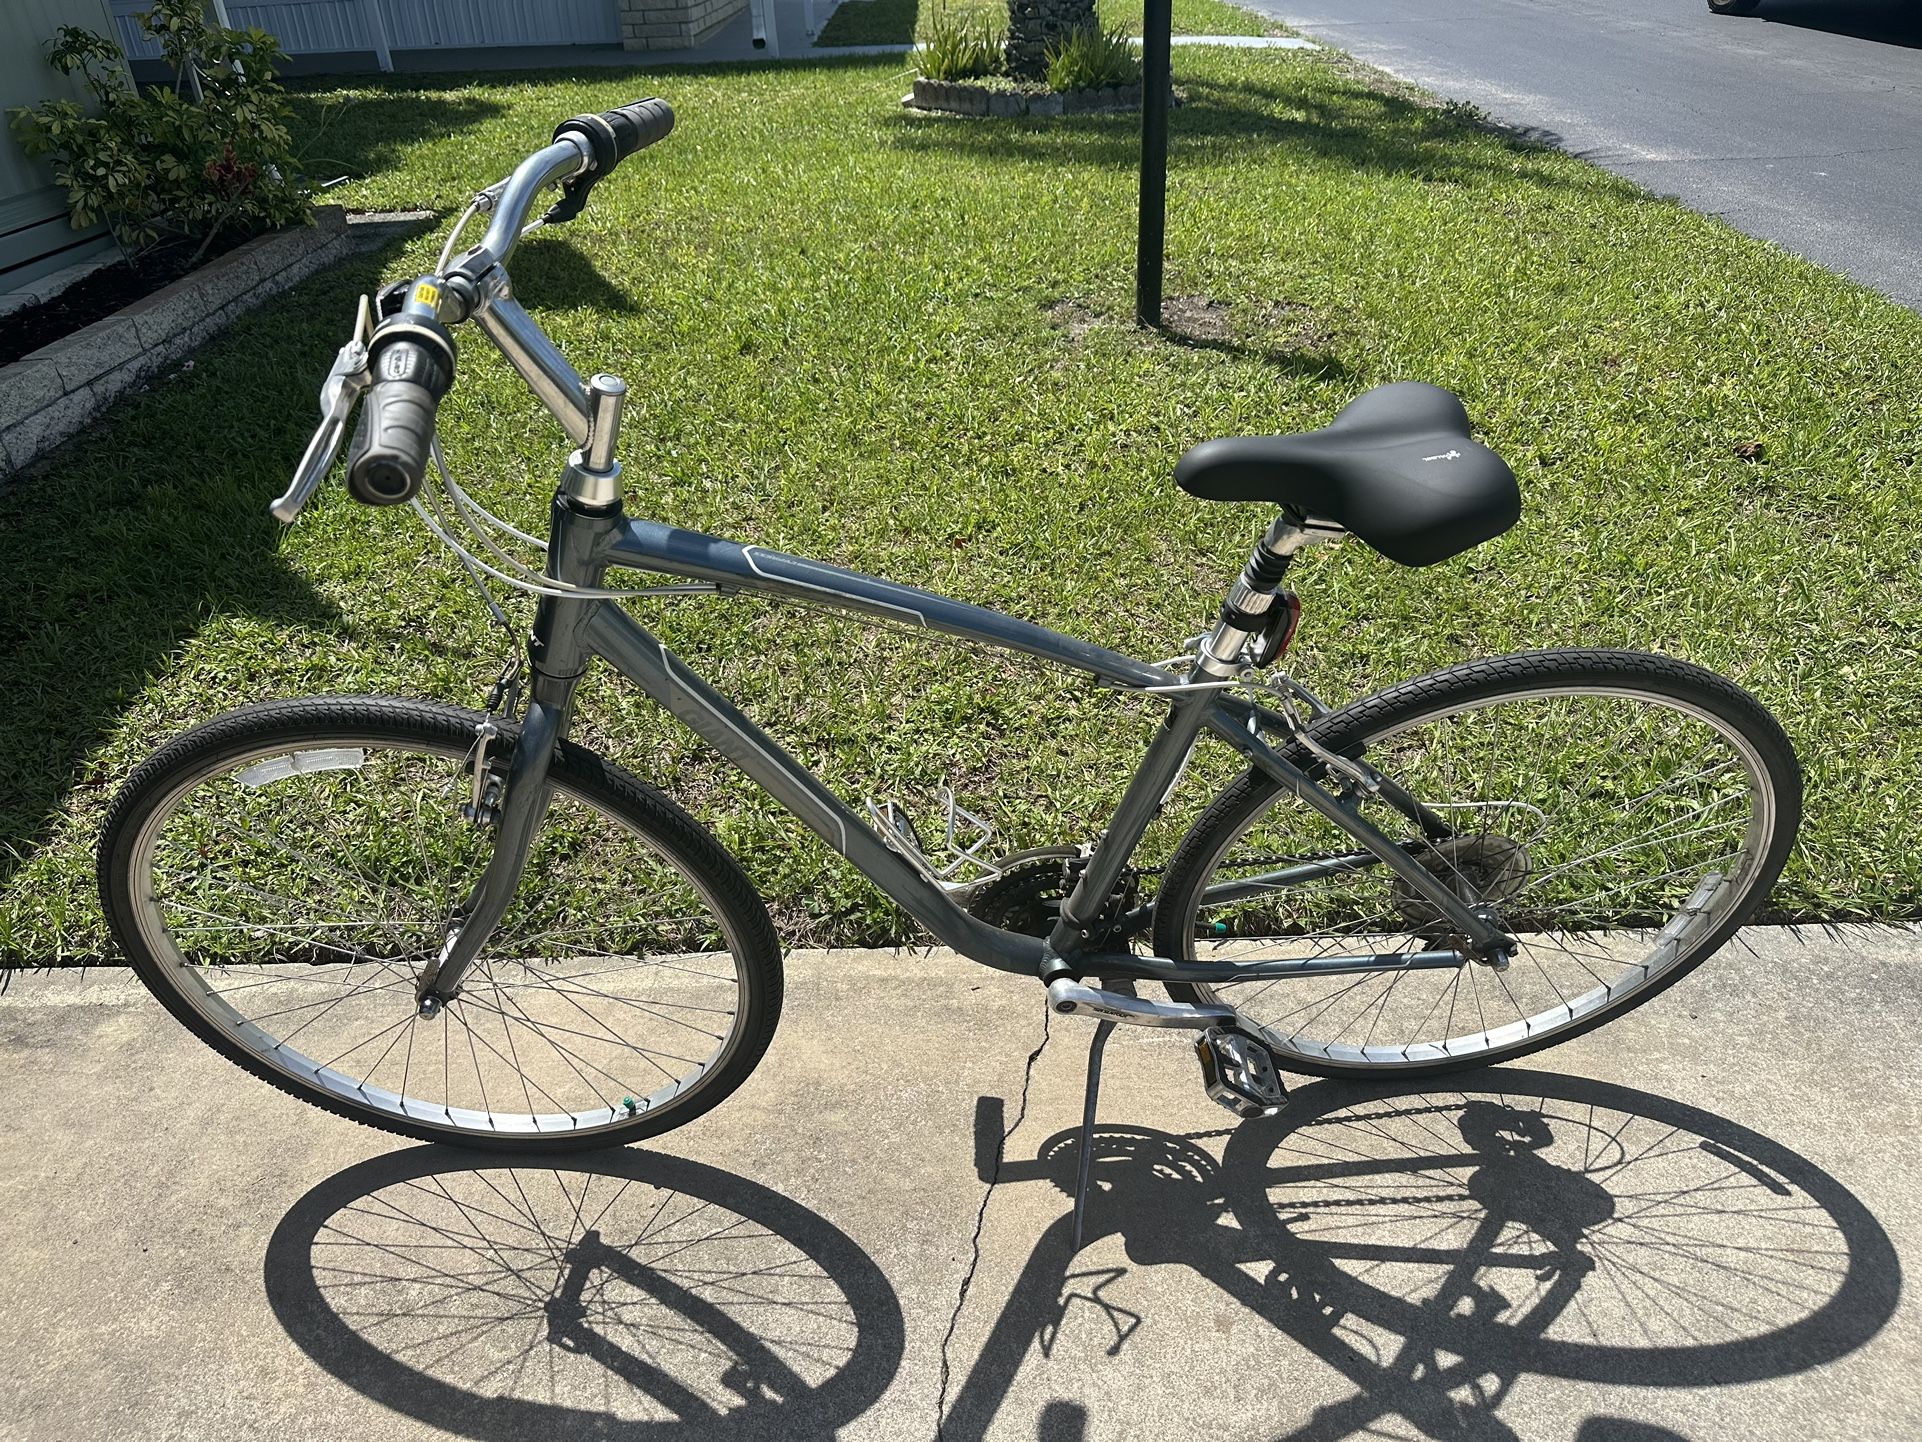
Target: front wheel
(1623, 814)
(280, 875)
(1734, 7)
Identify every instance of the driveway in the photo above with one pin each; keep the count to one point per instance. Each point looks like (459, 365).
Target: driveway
(1801, 124)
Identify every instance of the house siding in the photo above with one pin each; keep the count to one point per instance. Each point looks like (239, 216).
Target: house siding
(321, 27)
(36, 238)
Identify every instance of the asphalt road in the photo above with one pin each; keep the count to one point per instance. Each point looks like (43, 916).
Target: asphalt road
(1801, 124)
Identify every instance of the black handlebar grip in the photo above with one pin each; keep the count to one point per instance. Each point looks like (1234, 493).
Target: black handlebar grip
(611, 137)
(412, 360)
(639, 124)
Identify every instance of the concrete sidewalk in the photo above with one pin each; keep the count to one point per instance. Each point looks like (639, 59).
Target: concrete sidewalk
(1686, 1226)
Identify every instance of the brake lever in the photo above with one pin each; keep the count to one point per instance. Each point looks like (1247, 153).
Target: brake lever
(346, 380)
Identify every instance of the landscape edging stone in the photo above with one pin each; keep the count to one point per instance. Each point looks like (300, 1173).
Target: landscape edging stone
(49, 396)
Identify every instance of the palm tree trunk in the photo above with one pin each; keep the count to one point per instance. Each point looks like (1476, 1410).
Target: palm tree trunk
(1034, 25)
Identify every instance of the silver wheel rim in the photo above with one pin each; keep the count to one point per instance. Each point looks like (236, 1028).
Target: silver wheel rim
(1618, 964)
(535, 1029)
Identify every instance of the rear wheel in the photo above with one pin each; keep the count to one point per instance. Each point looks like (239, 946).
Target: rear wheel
(1623, 814)
(279, 877)
(1734, 7)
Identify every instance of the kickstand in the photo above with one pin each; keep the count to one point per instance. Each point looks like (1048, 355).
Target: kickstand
(1087, 1123)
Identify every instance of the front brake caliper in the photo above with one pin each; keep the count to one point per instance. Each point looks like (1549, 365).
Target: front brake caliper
(482, 808)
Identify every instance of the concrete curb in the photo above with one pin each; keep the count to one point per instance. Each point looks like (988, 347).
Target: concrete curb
(61, 984)
(46, 287)
(962, 97)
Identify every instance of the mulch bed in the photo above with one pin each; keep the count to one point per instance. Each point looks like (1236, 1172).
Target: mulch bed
(104, 292)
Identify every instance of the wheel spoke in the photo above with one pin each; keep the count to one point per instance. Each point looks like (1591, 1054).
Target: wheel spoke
(1598, 811)
(296, 910)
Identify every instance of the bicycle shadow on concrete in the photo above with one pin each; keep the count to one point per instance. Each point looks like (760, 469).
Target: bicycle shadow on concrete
(623, 1294)
(1433, 1247)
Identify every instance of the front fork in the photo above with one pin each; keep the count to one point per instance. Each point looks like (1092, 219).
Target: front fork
(557, 656)
(522, 809)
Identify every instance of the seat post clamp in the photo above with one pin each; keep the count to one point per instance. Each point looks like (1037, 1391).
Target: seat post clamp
(1247, 606)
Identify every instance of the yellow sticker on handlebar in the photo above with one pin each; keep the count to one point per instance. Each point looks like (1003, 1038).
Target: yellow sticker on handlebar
(427, 294)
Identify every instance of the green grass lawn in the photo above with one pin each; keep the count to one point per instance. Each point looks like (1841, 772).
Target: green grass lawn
(901, 344)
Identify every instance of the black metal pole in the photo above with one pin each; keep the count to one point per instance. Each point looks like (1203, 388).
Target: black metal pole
(1156, 82)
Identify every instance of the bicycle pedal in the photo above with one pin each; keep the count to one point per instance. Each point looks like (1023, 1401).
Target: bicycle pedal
(1239, 1072)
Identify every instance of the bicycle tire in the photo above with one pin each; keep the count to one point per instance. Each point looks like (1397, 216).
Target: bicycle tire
(383, 726)
(1764, 750)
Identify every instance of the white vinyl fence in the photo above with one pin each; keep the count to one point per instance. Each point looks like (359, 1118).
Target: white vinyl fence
(319, 27)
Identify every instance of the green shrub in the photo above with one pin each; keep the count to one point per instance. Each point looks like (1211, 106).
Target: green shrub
(960, 47)
(211, 154)
(1093, 59)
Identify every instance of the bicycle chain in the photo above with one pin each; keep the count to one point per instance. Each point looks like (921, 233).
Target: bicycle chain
(1307, 860)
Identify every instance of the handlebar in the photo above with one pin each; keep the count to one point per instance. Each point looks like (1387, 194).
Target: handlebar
(647, 121)
(585, 151)
(408, 364)
(612, 136)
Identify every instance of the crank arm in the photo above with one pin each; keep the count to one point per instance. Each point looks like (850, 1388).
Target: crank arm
(1074, 998)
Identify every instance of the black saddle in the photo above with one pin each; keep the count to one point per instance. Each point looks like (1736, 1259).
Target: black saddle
(1396, 468)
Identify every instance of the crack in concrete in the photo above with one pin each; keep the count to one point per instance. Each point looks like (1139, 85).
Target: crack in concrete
(980, 1221)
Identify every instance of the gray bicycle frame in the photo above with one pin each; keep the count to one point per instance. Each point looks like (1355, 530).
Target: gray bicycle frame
(589, 535)
(568, 633)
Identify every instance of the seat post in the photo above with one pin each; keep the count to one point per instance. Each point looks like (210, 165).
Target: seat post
(1245, 612)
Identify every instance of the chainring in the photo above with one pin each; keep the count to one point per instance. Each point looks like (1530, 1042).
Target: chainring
(1026, 898)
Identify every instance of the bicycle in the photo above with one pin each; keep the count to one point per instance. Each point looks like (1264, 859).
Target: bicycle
(464, 926)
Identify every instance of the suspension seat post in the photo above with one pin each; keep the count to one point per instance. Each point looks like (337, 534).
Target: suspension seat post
(1244, 614)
